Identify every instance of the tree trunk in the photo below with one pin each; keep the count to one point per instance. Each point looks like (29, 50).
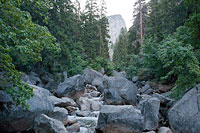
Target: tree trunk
(141, 27)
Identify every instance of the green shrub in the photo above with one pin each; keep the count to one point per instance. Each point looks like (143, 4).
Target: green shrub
(10, 80)
(180, 61)
(173, 61)
(134, 65)
(22, 44)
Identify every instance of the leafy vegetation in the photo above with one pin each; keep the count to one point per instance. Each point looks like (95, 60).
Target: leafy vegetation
(50, 36)
(170, 48)
(22, 43)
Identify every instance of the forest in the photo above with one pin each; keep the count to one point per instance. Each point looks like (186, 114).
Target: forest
(50, 36)
(168, 51)
(55, 36)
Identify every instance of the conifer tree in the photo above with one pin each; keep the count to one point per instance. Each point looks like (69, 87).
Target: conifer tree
(120, 51)
(91, 40)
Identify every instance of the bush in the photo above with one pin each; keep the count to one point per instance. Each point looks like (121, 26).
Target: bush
(22, 44)
(180, 61)
(10, 80)
(173, 61)
(134, 65)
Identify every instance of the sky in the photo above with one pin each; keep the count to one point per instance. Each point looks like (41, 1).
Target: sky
(123, 7)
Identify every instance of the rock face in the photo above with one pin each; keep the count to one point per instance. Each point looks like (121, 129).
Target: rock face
(14, 118)
(119, 90)
(72, 87)
(116, 23)
(45, 124)
(184, 116)
(120, 119)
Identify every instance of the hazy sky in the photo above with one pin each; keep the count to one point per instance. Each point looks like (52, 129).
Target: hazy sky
(123, 7)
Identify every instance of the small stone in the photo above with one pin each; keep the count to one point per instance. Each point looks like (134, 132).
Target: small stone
(95, 106)
(135, 79)
(164, 130)
(83, 113)
(95, 94)
(74, 128)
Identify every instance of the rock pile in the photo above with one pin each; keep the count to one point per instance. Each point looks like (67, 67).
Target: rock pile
(94, 102)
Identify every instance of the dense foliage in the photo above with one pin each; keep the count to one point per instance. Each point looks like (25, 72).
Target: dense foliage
(22, 43)
(170, 48)
(50, 36)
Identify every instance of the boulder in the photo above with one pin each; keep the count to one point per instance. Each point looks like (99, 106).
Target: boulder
(45, 124)
(184, 116)
(90, 75)
(84, 103)
(149, 107)
(163, 100)
(165, 104)
(25, 78)
(4, 97)
(145, 88)
(51, 86)
(119, 90)
(120, 119)
(63, 102)
(46, 78)
(164, 130)
(112, 97)
(102, 71)
(72, 87)
(119, 74)
(83, 130)
(95, 105)
(15, 118)
(34, 78)
(88, 122)
(83, 113)
(74, 128)
(60, 114)
(98, 81)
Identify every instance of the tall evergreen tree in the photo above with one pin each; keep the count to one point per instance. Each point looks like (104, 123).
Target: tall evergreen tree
(103, 31)
(91, 40)
(120, 51)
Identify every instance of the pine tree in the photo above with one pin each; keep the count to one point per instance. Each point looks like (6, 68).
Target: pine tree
(91, 40)
(120, 51)
(103, 31)
(139, 11)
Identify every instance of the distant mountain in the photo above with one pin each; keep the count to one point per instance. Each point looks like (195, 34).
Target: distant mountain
(116, 22)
